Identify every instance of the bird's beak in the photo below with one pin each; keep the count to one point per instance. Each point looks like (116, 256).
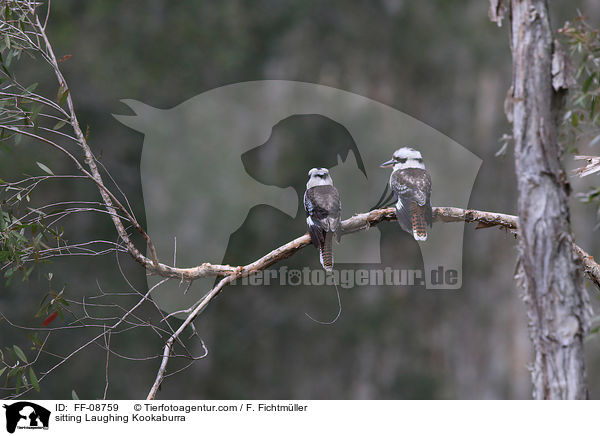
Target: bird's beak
(389, 163)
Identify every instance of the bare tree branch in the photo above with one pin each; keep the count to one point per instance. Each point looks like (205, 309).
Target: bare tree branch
(592, 166)
(363, 221)
(110, 200)
(356, 223)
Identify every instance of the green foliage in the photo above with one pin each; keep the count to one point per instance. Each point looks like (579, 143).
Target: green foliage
(581, 121)
(18, 105)
(582, 117)
(23, 113)
(21, 242)
(17, 371)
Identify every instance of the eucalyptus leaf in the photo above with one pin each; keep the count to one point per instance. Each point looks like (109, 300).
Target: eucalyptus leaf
(20, 353)
(33, 379)
(45, 168)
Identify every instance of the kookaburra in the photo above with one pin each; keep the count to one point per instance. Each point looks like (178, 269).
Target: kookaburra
(323, 213)
(412, 185)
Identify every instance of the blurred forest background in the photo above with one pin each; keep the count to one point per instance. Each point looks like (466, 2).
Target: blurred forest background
(441, 62)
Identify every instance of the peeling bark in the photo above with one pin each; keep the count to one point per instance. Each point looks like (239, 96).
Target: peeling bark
(496, 11)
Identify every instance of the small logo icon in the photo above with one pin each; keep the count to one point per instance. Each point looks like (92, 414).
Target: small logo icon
(26, 415)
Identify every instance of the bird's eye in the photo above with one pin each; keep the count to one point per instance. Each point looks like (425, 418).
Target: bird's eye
(402, 160)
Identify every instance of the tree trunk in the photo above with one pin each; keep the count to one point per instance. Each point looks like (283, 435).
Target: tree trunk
(551, 278)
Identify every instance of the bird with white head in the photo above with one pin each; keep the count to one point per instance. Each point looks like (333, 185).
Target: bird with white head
(323, 213)
(411, 183)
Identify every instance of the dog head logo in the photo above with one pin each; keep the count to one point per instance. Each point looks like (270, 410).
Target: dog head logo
(198, 192)
(26, 415)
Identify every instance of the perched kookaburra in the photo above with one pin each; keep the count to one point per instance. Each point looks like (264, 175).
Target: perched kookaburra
(323, 213)
(412, 185)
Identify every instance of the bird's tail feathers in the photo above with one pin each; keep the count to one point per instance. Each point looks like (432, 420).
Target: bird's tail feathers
(326, 252)
(419, 224)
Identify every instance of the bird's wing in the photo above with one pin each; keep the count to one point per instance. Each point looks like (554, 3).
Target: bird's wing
(314, 229)
(411, 184)
(322, 204)
(403, 216)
